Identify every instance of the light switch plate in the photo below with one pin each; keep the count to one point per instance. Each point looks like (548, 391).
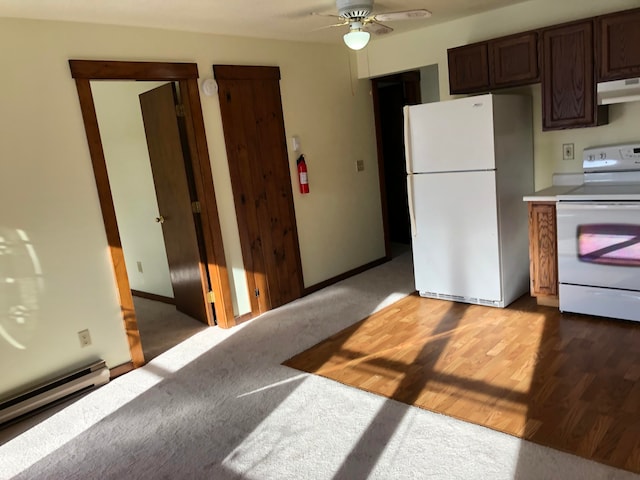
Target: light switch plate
(85, 338)
(359, 165)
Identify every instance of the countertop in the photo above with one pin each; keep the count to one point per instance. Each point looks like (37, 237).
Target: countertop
(549, 194)
(562, 183)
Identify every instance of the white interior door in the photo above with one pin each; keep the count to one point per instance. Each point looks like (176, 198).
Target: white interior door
(455, 234)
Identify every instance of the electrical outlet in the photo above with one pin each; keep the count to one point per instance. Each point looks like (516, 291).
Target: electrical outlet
(359, 165)
(85, 338)
(139, 266)
(567, 151)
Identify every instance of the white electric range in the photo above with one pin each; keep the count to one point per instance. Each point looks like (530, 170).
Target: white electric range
(598, 227)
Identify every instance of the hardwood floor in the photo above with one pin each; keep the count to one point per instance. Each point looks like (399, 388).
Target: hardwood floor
(570, 382)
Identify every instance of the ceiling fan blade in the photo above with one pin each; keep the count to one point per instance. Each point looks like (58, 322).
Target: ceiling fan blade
(317, 14)
(406, 15)
(330, 26)
(377, 28)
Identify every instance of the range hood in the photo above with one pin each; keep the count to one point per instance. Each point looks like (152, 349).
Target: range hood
(619, 91)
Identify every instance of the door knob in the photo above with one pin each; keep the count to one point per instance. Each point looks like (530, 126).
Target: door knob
(160, 219)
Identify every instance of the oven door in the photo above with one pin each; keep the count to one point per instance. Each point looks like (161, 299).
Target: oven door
(599, 244)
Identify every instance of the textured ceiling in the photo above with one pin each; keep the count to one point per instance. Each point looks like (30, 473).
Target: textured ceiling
(280, 19)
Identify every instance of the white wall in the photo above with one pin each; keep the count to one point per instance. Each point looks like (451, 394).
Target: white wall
(429, 45)
(134, 196)
(47, 186)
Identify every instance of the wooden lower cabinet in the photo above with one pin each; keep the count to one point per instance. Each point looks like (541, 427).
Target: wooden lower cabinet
(543, 253)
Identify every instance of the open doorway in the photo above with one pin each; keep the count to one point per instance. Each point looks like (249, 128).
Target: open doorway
(212, 268)
(390, 94)
(145, 151)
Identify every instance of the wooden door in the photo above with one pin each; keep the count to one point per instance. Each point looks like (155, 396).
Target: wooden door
(258, 163)
(169, 167)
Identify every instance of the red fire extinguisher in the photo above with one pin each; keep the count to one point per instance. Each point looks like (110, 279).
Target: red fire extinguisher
(302, 175)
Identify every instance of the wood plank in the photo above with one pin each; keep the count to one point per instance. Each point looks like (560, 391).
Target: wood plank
(246, 72)
(114, 70)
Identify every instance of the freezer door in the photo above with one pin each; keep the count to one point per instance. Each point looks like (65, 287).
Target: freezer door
(455, 234)
(456, 135)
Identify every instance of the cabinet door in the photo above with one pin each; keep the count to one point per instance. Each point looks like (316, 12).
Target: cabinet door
(618, 39)
(468, 68)
(568, 78)
(543, 253)
(513, 60)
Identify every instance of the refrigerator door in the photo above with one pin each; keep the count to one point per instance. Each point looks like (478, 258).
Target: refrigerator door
(455, 241)
(456, 135)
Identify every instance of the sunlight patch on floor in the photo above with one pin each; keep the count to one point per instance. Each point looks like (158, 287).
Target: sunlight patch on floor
(274, 385)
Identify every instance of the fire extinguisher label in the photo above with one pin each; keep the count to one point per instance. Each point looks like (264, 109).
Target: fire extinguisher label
(303, 177)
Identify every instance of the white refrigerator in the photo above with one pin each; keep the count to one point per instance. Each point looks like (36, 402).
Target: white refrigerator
(469, 163)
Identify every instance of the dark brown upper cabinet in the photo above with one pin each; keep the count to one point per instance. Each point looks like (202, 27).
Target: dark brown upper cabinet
(568, 78)
(618, 42)
(513, 60)
(468, 68)
(498, 63)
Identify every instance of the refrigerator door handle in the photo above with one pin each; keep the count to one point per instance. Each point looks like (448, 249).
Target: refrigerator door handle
(412, 215)
(407, 139)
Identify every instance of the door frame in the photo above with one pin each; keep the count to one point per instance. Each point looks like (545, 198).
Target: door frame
(411, 84)
(186, 74)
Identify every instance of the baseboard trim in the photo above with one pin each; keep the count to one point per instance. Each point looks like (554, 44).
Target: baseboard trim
(548, 301)
(344, 276)
(120, 370)
(243, 318)
(153, 296)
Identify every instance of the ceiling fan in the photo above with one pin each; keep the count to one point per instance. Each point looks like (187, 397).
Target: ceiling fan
(359, 16)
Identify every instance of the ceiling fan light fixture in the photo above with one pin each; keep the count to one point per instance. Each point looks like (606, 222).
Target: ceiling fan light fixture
(356, 39)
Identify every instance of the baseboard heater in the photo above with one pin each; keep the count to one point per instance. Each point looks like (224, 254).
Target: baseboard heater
(54, 391)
